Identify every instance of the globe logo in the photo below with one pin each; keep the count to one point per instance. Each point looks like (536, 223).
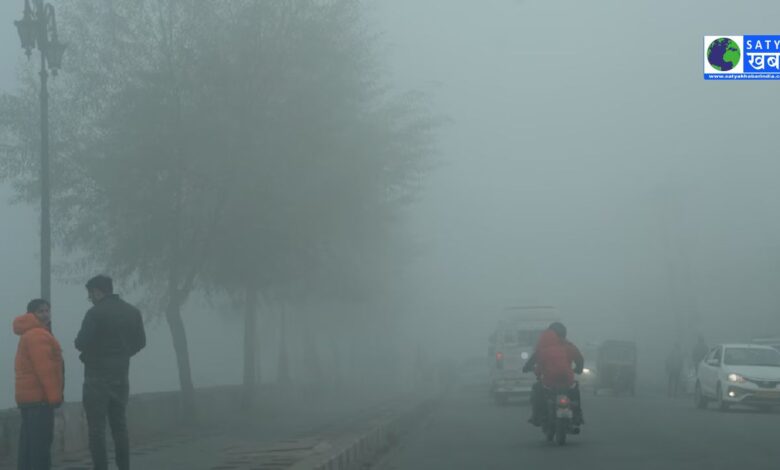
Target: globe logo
(723, 54)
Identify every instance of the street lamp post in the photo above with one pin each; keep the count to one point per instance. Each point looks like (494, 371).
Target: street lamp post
(38, 29)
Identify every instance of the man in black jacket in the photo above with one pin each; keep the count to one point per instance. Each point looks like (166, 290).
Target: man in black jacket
(111, 333)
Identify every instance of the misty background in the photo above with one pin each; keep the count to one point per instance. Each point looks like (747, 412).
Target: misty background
(586, 164)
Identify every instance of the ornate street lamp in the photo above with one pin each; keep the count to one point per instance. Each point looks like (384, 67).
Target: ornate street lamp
(26, 29)
(38, 29)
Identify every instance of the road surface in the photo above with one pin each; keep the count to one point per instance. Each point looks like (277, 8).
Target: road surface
(649, 431)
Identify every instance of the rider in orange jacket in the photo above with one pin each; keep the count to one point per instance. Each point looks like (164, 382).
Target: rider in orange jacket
(552, 361)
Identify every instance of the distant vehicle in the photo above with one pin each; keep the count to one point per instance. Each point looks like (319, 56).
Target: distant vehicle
(587, 379)
(616, 367)
(745, 374)
(511, 345)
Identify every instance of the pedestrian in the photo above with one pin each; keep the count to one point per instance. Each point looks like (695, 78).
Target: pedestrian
(112, 332)
(699, 352)
(39, 384)
(674, 367)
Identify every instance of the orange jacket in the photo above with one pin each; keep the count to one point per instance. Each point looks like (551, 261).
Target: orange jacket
(39, 367)
(554, 358)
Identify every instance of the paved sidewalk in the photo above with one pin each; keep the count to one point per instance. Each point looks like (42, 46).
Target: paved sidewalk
(275, 441)
(216, 452)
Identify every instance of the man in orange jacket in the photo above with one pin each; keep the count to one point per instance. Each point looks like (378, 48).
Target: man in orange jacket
(39, 384)
(552, 362)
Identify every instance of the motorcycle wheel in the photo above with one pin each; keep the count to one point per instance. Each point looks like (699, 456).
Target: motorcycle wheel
(560, 433)
(549, 430)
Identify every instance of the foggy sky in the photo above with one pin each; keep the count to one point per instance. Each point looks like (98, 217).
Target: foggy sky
(587, 152)
(587, 165)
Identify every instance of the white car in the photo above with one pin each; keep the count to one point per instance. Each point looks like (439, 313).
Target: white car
(746, 374)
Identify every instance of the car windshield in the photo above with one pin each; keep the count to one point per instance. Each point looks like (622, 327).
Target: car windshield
(527, 338)
(752, 357)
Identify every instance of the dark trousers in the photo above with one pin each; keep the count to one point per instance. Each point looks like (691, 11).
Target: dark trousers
(106, 400)
(36, 437)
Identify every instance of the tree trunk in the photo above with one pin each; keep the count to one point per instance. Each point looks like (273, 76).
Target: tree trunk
(283, 369)
(311, 356)
(179, 337)
(250, 346)
(336, 373)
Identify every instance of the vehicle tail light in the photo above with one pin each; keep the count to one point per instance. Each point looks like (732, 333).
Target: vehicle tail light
(563, 400)
(499, 360)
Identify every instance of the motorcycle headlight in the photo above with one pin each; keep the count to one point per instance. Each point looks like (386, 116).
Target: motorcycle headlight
(736, 378)
(586, 371)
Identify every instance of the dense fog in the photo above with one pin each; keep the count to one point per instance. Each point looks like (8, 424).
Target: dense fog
(577, 160)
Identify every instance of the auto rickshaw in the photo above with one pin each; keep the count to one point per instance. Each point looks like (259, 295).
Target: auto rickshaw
(616, 367)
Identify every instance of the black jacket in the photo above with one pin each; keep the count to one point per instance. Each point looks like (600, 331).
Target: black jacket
(111, 333)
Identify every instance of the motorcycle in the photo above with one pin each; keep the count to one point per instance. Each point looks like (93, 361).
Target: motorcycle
(558, 422)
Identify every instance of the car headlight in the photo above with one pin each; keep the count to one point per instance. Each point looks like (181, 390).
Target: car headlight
(586, 371)
(736, 378)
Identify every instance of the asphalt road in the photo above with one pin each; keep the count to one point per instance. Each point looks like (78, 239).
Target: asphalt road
(649, 431)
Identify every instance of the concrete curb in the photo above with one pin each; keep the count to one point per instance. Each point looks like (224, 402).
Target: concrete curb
(356, 450)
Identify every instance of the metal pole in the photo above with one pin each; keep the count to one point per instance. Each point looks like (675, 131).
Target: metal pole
(45, 183)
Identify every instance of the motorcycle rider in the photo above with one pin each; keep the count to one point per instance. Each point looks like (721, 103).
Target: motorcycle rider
(674, 369)
(552, 361)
